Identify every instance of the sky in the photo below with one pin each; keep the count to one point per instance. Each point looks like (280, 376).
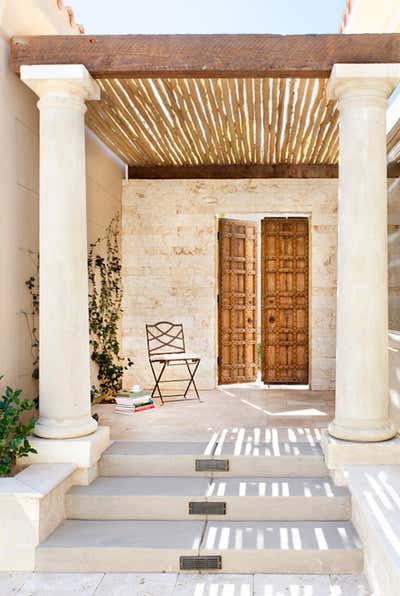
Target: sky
(208, 16)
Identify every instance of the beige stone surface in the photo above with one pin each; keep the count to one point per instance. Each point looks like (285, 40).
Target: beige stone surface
(156, 546)
(394, 377)
(84, 452)
(376, 515)
(19, 175)
(172, 584)
(131, 584)
(339, 453)
(63, 91)
(245, 498)
(32, 505)
(362, 366)
(243, 414)
(61, 584)
(394, 253)
(169, 261)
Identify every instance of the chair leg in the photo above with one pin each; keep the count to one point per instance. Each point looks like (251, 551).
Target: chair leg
(157, 379)
(192, 381)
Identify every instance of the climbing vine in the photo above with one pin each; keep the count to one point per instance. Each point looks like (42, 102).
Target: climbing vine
(32, 316)
(105, 300)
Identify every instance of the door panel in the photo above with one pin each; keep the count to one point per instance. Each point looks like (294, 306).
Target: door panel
(284, 300)
(237, 312)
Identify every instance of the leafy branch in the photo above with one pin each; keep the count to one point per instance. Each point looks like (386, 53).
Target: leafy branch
(13, 433)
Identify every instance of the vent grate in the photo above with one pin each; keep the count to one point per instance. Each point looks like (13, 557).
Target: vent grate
(207, 508)
(212, 465)
(199, 563)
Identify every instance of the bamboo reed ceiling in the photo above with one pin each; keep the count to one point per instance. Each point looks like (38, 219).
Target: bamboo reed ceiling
(393, 144)
(189, 122)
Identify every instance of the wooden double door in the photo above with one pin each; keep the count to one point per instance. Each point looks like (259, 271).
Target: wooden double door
(281, 346)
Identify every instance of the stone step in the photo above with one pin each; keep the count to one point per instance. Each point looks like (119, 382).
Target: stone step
(243, 498)
(266, 459)
(236, 547)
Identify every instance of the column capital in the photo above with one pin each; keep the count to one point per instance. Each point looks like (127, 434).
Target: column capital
(61, 80)
(362, 79)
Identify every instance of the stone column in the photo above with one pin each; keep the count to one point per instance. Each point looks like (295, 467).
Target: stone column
(362, 392)
(64, 380)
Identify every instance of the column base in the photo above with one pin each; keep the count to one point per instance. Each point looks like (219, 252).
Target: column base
(84, 452)
(382, 430)
(339, 453)
(48, 428)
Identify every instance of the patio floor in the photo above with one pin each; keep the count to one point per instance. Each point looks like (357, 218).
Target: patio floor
(233, 406)
(170, 584)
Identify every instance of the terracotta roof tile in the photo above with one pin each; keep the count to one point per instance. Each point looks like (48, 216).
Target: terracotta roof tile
(69, 16)
(345, 16)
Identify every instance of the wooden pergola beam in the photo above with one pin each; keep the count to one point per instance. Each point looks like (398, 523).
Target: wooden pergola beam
(233, 171)
(197, 56)
(243, 171)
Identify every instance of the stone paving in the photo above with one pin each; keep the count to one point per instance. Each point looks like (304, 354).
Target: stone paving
(170, 584)
(234, 406)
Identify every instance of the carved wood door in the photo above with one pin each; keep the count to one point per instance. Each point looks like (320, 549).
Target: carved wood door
(237, 301)
(284, 300)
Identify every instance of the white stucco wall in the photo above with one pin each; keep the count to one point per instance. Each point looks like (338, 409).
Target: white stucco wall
(19, 190)
(169, 261)
(370, 16)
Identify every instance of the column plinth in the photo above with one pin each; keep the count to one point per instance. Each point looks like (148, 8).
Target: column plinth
(64, 368)
(362, 370)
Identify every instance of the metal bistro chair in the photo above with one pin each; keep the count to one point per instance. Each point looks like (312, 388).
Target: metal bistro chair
(166, 347)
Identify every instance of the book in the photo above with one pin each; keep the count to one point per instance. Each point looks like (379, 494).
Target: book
(148, 402)
(143, 408)
(121, 407)
(134, 394)
(131, 411)
(133, 401)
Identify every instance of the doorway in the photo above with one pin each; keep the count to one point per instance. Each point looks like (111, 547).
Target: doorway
(280, 345)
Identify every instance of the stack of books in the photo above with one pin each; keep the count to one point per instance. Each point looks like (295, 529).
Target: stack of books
(131, 402)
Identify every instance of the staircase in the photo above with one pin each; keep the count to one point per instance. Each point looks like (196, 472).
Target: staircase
(240, 506)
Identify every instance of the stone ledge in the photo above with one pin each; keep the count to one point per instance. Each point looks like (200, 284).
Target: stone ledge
(32, 506)
(339, 454)
(84, 452)
(376, 516)
(35, 481)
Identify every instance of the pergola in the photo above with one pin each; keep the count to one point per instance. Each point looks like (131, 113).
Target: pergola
(190, 106)
(216, 106)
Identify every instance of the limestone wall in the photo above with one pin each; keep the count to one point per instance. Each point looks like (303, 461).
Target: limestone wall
(169, 261)
(394, 253)
(19, 191)
(104, 174)
(394, 377)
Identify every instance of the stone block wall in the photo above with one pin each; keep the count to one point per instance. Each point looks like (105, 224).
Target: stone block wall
(169, 248)
(394, 253)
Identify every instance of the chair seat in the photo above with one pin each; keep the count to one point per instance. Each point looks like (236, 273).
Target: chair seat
(176, 356)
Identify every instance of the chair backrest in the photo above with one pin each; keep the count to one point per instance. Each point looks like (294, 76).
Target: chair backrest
(165, 338)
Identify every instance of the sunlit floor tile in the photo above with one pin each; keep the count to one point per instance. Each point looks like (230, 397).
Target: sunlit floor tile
(136, 584)
(291, 585)
(214, 585)
(11, 582)
(61, 584)
(349, 585)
